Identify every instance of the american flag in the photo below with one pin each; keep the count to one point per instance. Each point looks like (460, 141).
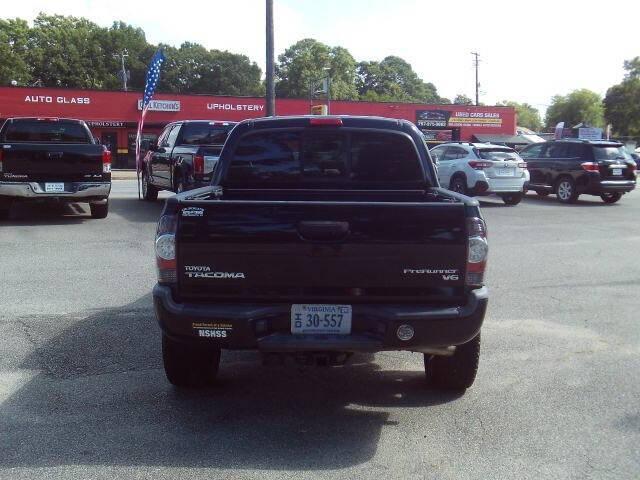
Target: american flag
(151, 82)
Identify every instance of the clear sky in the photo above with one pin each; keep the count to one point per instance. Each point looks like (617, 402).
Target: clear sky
(529, 51)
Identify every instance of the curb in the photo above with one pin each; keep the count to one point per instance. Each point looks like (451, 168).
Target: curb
(123, 175)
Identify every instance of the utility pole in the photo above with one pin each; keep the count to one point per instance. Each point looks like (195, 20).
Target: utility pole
(123, 72)
(476, 62)
(271, 89)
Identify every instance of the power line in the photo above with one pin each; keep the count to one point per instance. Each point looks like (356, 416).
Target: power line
(123, 74)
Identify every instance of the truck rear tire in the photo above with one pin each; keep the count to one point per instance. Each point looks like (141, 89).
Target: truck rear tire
(456, 372)
(188, 365)
(179, 184)
(149, 192)
(99, 210)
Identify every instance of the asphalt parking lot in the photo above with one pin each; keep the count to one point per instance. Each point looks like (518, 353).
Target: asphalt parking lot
(83, 394)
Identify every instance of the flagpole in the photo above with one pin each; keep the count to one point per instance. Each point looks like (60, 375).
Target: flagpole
(138, 144)
(151, 82)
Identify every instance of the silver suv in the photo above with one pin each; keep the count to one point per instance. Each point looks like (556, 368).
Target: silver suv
(482, 169)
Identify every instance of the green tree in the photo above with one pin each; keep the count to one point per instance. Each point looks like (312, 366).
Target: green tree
(632, 67)
(14, 44)
(622, 102)
(342, 70)
(117, 39)
(194, 69)
(67, 52)
(528, 116)
(462, 99)
(308, 61)
(580, 106)
(393, 79)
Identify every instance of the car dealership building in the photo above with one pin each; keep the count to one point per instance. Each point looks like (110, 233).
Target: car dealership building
(113, 115)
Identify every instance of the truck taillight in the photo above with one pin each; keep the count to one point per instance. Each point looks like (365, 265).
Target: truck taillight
(166, 249)
(590, 167)
(477, 252)
(106, 161)
(198, 165)
(479, 165)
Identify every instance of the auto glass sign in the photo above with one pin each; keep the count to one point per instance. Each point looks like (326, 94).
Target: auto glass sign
(162, 105)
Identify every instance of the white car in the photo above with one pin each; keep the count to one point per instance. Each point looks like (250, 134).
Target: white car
(482, 169)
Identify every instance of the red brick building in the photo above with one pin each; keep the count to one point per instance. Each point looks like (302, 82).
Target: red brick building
(113, 115)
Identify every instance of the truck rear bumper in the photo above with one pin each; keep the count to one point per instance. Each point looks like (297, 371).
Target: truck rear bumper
(267, 327)
(72, 190)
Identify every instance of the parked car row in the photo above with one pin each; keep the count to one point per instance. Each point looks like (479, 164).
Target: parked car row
(567, 168)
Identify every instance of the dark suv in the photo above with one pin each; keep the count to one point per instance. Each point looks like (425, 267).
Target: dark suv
(572, 167)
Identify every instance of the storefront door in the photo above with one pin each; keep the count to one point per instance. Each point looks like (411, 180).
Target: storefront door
(110, 140)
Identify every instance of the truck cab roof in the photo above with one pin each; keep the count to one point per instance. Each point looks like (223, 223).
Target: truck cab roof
(352, 121)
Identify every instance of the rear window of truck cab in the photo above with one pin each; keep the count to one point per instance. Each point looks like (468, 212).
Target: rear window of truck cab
(205, 133)
(46, 131)
(326, 158)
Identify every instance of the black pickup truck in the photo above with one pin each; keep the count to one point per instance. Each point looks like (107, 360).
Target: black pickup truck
(184, 157)
(320, 237)
(54, 159)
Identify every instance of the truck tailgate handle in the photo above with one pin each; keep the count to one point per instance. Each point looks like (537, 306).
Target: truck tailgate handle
(323, 231)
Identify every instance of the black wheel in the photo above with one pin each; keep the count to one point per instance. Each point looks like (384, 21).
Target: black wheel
(149, 192)
(456, 372)
(99, 210)
(188, 365)
(542, 193)
(458, 185)
(611, 197)
(179, 184)
(512, 198)
(566, 190)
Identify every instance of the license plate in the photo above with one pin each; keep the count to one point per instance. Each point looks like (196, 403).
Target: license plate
(505, 172)
(54, 187)
(617, 171)
(321, 319)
